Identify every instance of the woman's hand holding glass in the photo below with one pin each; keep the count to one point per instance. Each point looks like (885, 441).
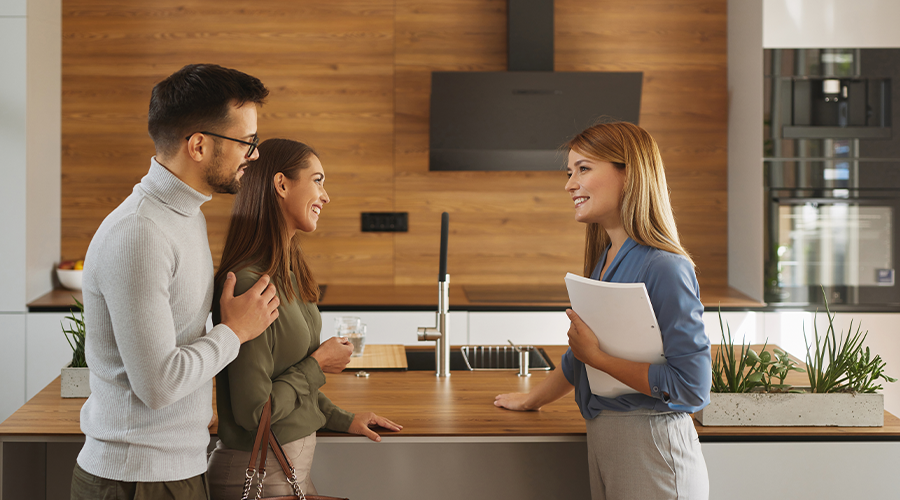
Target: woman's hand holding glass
(333, 354)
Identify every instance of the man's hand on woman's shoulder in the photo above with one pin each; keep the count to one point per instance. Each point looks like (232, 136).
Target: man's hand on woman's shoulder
(250, 313)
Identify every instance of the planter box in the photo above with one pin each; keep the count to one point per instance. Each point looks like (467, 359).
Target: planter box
(76, 382)
(759, 409)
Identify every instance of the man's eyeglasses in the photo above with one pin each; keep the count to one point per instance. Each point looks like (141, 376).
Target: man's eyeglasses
(252, 145)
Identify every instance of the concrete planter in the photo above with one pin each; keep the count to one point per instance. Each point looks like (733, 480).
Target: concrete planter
(75, 382)
(761, 409)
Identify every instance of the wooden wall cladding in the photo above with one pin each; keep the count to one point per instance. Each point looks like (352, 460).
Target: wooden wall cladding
(352, 79)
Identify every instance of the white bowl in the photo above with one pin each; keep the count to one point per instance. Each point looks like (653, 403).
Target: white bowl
(70, 278)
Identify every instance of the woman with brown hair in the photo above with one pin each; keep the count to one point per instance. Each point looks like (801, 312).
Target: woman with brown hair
(283, 192)
(642, 444)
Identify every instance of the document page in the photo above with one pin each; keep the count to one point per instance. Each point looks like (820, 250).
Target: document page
(622, 318)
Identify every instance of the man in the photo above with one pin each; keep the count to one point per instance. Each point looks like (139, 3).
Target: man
(148, 287)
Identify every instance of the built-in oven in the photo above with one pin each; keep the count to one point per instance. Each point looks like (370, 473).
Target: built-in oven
(838, 243)
(832, 178)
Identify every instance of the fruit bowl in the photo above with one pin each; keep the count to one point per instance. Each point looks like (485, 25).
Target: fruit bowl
(70, 278)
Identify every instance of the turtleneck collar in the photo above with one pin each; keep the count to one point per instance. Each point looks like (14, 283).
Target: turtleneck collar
(171, 191)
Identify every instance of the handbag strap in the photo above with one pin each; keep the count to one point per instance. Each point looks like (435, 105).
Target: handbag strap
(260, 447)
(258, 444)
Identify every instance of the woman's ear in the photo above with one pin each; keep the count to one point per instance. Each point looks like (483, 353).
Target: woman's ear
(281, 187)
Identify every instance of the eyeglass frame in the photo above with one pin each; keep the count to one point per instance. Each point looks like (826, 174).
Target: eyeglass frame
(253, 145)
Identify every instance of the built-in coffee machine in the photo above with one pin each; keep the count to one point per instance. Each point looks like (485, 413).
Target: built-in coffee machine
(832, 177)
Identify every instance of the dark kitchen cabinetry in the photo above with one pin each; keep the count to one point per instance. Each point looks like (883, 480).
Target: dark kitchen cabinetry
(832, 177)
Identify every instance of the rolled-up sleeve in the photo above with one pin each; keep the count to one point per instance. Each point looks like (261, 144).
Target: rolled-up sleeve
(684, 380)
(567, 367)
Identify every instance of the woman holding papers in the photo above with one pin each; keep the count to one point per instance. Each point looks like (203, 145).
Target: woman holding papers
(641, 444)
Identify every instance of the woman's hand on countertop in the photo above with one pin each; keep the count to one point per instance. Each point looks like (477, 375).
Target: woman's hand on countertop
(516, 401)
(549, 390)
(333, 354)
(363, 421)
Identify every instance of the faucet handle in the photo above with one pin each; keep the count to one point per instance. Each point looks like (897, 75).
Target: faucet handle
(518, 348)
(426, 333)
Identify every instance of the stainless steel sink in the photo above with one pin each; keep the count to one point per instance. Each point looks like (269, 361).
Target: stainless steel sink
(477, 358)
(424, 361)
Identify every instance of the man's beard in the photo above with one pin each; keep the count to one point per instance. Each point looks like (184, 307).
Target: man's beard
(220, 180)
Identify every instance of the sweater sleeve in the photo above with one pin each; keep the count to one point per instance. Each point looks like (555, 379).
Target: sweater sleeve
(160, 371)
(250, 375)
(684, 380)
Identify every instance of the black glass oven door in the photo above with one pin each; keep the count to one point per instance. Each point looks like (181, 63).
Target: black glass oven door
(848, 246)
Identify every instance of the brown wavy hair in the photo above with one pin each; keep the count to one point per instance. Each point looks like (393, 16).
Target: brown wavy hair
(646, 210)
(258, 234)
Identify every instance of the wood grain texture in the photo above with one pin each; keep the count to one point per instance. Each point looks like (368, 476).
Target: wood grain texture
(428, 406)
(352, 78)
(462, 297)
(380, 357)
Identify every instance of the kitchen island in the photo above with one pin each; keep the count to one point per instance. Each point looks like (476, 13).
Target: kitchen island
(515, 297)
(456, 443)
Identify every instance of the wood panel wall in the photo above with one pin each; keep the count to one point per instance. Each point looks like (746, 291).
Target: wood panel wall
(352, 79)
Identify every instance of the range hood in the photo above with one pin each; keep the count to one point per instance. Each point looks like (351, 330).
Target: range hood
(518, 119)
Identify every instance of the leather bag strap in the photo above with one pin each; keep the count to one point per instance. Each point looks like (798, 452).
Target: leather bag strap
(260, 447)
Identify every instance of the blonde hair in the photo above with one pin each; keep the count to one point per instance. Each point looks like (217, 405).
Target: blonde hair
(646, 210)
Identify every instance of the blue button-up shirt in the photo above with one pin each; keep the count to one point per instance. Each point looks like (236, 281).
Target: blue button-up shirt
(682, 383)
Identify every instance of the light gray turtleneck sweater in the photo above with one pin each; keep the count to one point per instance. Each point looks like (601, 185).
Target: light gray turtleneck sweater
(148, 288)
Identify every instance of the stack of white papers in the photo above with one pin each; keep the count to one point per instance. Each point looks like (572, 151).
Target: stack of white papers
(622, 318)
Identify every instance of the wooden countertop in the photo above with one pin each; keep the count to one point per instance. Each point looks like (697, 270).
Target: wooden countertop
(424, 297)
(456, 407)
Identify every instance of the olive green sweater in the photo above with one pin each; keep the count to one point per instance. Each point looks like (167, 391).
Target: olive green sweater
(277, 362)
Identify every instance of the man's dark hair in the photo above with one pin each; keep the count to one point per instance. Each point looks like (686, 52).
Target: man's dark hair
(196, 98)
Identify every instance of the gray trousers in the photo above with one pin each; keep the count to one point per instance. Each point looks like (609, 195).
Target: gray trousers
(646, 455)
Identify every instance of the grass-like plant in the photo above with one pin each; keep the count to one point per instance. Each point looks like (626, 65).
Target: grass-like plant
(77, 332)
(747, 371)
(841, 363)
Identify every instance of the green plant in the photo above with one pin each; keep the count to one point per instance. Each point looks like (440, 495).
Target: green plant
(772, 367)
(732, 373)
(840, 363)
(747, 371)
(77, 332)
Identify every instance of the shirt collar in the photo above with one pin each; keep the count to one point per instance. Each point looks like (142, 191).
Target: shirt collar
(172, 191)
(627, 246)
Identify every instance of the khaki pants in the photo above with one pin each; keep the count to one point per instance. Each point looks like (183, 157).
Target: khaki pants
(647, 455)
(227, 470)
(86, 486)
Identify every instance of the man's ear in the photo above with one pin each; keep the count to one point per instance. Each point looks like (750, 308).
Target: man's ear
(281, 187)
(198, 147)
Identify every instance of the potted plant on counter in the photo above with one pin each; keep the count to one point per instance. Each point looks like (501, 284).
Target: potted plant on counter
(75, 376)
(749, 388)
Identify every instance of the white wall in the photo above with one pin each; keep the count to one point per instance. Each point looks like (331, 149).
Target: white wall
(12, 143)
(12, 363)
(30, 34)
(43, 146)
(854, 24)
(745, 147)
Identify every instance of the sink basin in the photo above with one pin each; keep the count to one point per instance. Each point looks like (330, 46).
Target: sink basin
(477, 358)
(424, 361)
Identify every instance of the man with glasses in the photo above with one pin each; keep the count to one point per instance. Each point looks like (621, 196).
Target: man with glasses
(148, 287)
